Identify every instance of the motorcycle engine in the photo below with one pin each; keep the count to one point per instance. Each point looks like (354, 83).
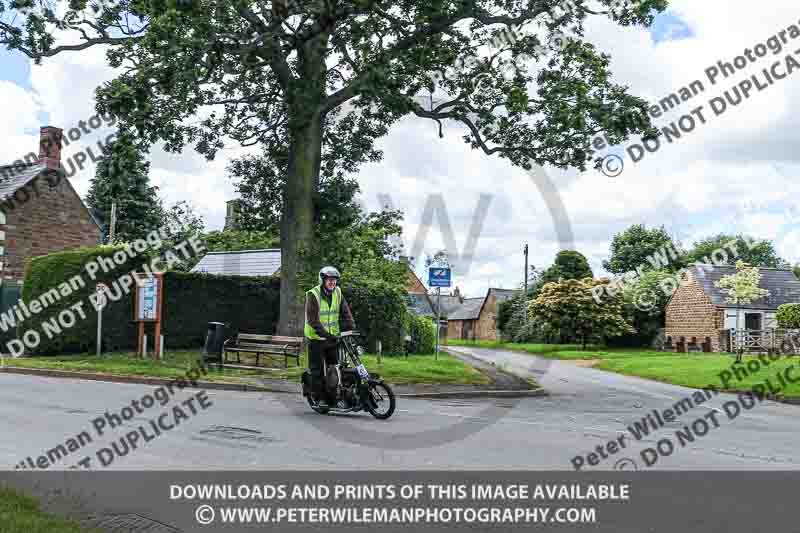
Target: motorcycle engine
(332, 378)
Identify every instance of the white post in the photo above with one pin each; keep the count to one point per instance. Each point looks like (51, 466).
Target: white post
(161, 348)
(144, 347)
(438, 307)
(99, 327)
(380, 350)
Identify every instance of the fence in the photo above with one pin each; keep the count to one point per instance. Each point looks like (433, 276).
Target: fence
(770, 340)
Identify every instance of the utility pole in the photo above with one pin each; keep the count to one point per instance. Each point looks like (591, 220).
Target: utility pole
(526, 270)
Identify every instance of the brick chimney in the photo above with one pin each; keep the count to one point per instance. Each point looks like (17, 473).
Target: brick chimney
(50, 146)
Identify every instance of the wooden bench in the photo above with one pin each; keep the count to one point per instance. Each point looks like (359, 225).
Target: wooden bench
(266, 345)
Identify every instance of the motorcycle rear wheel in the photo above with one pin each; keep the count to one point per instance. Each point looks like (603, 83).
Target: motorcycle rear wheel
(381, 403)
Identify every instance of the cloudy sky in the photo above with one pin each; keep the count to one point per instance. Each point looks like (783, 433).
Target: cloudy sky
(736, 173)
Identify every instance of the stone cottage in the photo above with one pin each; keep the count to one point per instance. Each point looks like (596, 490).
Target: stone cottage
(698, 311)
(476, 318)
(40, 211)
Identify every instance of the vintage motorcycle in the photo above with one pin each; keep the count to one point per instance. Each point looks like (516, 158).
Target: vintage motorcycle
(349, 384)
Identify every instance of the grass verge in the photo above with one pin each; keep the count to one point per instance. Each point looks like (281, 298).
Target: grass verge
(22, 513)
(421, 369)
(698, 370)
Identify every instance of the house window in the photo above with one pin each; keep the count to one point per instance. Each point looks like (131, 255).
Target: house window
(2, 218)
(2, 235)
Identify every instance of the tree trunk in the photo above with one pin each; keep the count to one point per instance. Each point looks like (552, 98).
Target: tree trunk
(297, 222)
(305, 96)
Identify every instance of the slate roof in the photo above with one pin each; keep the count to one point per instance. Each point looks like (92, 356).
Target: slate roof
(783, 285)
(449, 304)
(242, 263)
(504, 294)
(14, 177)
(470, 309)
(419, 304)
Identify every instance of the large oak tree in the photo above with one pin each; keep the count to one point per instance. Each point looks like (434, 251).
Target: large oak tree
(317, 82)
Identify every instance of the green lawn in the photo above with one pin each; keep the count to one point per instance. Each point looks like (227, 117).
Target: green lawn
(691, 370)
(174, 364)
(20, 513)
(702, 370)
(412, 369)
(553, 351)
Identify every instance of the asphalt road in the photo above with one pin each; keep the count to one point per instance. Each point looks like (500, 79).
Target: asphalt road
(236, 430)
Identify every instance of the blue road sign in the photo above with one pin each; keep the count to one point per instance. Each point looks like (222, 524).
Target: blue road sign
(439, 276)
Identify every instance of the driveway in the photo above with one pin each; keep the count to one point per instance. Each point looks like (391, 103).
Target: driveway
(601, 405)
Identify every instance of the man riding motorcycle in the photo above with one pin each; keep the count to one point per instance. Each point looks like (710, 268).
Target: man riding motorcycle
(326, 310)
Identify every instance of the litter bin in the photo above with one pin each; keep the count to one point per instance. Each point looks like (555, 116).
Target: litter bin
(214, 340)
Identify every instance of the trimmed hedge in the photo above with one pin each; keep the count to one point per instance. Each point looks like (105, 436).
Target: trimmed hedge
(52, 271)
(191, 300)
(423, 334)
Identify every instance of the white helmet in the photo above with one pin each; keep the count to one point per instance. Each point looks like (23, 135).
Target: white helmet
(328, 272)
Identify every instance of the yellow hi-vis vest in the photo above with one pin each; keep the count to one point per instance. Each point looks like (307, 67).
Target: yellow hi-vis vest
(328, 315)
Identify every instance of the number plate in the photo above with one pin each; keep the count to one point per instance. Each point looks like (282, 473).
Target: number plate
(362, 371)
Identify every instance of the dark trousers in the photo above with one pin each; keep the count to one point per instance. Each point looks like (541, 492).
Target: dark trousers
(320, 353)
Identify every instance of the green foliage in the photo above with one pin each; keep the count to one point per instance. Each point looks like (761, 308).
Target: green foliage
(379, 309)
(423, 334)
(569, 309)
(788, 316)
(52, 271)
(20, 512)
(180, 222)
(505, 310)
(638, 247)
(645, 306)
(742, 287)
(760, 253)
(232, 240)
(568, 264)
(122, 177)
(261, 198)
(518, 328)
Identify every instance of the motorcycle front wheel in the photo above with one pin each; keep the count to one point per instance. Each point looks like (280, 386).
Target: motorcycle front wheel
(380, 401)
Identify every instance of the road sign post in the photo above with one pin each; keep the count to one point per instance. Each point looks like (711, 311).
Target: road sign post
(438, 277)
